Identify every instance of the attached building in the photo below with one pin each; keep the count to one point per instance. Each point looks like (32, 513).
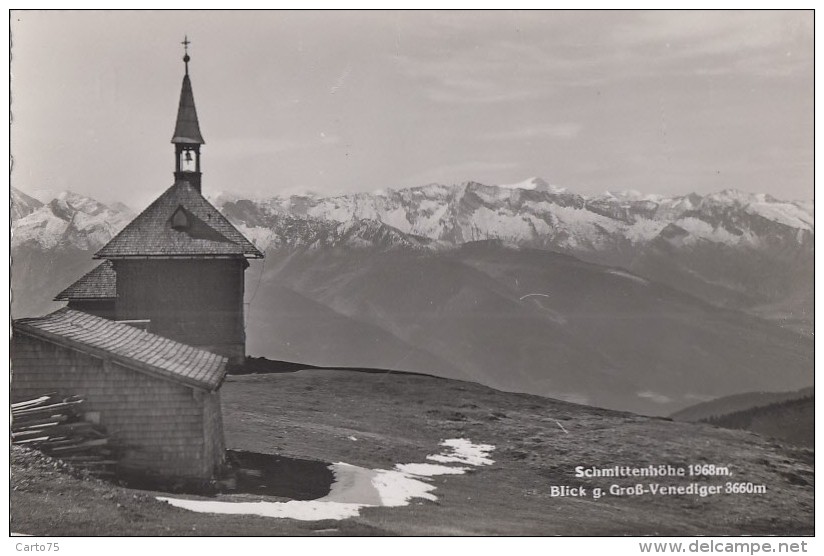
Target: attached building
(157, 398)
(94, 293)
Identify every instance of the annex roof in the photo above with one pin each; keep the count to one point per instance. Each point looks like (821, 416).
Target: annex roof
(99, 283)
(128, 346)
(205, 233)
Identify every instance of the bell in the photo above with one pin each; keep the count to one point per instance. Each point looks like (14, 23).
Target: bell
(188, 157)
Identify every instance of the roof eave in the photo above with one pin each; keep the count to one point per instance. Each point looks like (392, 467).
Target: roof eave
(82, 298)
(177, 140)
(163, 257)
(29, 330)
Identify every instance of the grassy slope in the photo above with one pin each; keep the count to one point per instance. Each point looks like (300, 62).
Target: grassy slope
(401, 419)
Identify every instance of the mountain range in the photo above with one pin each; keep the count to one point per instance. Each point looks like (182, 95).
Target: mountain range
(644, 303)
(750, 252)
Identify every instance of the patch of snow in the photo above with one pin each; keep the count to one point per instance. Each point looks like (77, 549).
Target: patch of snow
(260, 237)
(357, 487)
(353, 485)
(783, 213)
(699, 229)
(398, 489)
(732, 196)
(397, 219)
(335, 209)
(304, 510)
(533, 295)
(486, 223)
(464, 451)
(644, 230)
(632, 195)
(431, 469)
(627, 275)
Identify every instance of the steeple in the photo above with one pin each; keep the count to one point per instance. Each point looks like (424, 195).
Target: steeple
(187, 138)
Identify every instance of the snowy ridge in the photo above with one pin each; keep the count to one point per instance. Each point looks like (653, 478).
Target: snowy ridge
(68, 219)
(22, 205)
(738, 250)
(534, 214)
(528, 214)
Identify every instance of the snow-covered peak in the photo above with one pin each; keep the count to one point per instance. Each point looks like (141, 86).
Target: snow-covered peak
(731, 196)
(220, 198)
(122, 207)
(69, 200)
(22, 205)
(42, 194)
(71, 219)
(459, 213)
(631, 195)
(534, 184)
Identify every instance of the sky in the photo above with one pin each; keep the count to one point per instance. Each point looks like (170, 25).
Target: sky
(337, 102)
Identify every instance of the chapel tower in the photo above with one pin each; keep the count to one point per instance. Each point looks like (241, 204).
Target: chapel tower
(178, 267)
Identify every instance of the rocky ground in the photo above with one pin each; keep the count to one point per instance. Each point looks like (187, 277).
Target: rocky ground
(376, 421)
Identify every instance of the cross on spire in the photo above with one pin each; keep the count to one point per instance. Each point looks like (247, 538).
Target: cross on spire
(186, 42)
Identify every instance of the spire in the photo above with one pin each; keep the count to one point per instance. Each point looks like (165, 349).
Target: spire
(187, 138)
(186, 42)
(187, 129)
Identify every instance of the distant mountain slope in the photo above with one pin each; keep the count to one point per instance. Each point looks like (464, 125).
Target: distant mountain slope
(792, 421)
(289, 326)
(21, 204)
(737, 250)
(737, 402)
(37, 275)
(530, 321)
(68, 220)
(52, 245)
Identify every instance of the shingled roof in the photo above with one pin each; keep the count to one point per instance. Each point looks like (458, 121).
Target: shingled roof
(100, 283)
(205, 233)
(127, 346)
(187, 129)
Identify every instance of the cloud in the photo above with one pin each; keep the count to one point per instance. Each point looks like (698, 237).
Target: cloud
(558, 130)
(251, 147)
(528, 57)
(499, 71)
(717, 32)
(760, 43)
(444, 94)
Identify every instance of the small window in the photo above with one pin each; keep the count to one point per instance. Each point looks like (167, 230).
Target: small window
(180, 220)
